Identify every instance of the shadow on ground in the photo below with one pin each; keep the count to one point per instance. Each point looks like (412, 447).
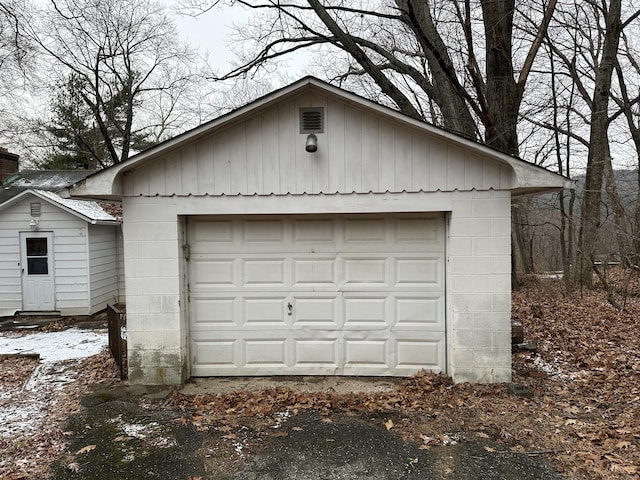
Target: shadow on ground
(115, 438)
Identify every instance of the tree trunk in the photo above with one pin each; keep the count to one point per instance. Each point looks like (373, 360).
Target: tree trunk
(503, 96)
(590, 214)
(520, 222)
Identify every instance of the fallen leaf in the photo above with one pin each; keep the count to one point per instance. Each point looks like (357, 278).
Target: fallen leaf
(489, 449)
(297, 429)
(424, 447)
(623, 444)
(122, 438)
(74, 467)
(86, 449)
(481, 435)
(326, 420)
(389, 424)
(229, 436)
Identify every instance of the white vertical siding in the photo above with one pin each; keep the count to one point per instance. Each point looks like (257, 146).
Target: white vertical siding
(360, 151)
(103, 267)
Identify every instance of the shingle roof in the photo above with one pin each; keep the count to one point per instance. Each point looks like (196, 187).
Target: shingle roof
(51, 180)
(47, 184)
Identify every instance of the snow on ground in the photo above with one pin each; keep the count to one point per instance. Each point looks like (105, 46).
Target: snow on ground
(23, 412)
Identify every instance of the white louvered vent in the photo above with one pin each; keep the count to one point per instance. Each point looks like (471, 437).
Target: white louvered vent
(36, 209)
(312, 120)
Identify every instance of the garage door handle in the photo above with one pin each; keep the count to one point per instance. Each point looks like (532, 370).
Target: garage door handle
(290, 308)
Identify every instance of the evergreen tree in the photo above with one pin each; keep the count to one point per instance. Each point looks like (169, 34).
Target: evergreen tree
(77, 142)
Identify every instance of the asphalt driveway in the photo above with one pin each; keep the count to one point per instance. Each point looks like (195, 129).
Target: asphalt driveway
(125, 433)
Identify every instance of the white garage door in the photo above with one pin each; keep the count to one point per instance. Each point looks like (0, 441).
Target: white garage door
(339, 295)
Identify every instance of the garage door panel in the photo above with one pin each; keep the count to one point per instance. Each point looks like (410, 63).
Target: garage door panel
(315, 272)
(418, 272)
(212, 313)
(214, 354)
(311, 353)
(259, 232)
(213, 272)
(425, 231)
(209, 234)
(363, 272)
(368, 231)
(365, 353)
(265, 353)
(264, 272)
(263, 310)
(365, 312)
(314, 231)
(315, 312)
(419, 354)
(366, 295)
(419, 313)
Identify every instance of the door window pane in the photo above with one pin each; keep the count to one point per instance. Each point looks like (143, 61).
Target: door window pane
(37, 259)
(36, 247)
(37, 266)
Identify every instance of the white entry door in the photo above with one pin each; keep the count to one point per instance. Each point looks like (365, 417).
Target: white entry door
(36, 263)
(326, 295)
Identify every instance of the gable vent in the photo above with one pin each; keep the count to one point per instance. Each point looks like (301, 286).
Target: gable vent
(312, 120)
(35, 209)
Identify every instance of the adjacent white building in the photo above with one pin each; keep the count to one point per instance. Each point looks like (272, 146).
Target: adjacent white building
(316, 232)
(57, 255)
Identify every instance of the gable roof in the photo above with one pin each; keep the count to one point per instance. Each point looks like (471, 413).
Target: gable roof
(88, 211)
(104, 184)
(51, 180)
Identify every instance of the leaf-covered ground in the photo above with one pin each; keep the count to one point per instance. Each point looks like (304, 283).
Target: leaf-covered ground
(583, 417)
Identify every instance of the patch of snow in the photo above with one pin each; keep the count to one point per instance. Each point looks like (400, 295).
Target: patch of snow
(152, 431)
(24, 412)
(71, 344)
(238, 447)
(86, 208)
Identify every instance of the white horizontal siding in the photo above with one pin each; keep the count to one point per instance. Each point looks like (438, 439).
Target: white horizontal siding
(12, 220)
(360, 151)
(103, 266)
(69, 256)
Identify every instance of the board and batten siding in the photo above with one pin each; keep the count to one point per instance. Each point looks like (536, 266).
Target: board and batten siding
(103, 269)
(359, 152)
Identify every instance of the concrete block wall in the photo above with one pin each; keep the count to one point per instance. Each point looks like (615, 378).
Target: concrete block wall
(479, 287)
(152, 277)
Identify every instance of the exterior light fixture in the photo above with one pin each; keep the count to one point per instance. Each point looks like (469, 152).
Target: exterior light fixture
(33, 224)
(312, 143)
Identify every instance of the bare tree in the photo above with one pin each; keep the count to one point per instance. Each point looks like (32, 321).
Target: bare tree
(16, 59)
(126, 55)
(451, 63)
